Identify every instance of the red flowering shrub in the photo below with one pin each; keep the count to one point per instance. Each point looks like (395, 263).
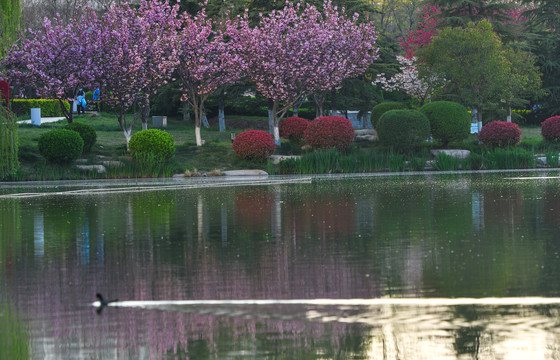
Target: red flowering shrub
(500, 134)
(551, 128)
(293, 128)
(254, 145)
(329, 132)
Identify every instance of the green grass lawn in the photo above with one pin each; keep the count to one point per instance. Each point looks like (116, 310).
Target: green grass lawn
(215, 154)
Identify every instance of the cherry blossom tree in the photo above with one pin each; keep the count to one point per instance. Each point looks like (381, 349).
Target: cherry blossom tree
(136, 55)
(298, 51)
(56, 59)
(209, 57)
(345, 50)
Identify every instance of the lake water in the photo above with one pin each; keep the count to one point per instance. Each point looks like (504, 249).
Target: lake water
(414, 266)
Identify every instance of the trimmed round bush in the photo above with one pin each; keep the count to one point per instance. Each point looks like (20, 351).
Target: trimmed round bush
(61, 146)
(293, 128)
(449, 121)
(382, 108)
(328, 132)
(403, 130)
(253, 145)
(87, 133)
(550, 129)
(500, 134)
(153, 142)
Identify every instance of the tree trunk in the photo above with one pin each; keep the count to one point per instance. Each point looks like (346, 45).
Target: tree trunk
(221, 117)
(474, 117)
(319, 99)
(333, 102)
(508, 118)
(296, 107)
(205, 119)
(186, 112)
(67, 114)
(145, 113)
(271, 116)
(276, 130)
(197, 120)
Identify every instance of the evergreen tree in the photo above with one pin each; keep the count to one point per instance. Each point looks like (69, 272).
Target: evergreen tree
(501, 14)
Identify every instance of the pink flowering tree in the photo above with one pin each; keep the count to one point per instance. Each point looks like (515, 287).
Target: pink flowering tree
(135, 55)
(56, 59)
(209, 57)
(344, 49)
(299, 51)
(161, 58)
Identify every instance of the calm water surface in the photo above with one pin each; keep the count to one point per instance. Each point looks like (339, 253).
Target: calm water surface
(383, 237)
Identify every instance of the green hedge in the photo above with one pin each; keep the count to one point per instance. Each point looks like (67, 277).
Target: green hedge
(61, 146)
(156, 142)
(449, 121)
(403, 130)
(49, 108)
(382, 108)
(87, 133)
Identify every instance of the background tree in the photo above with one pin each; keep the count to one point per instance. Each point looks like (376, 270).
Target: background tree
(472, 62)
(522, 82)
(459, 13)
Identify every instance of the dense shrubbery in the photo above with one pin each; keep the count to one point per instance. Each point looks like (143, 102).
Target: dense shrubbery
(403, 130)
(61, 146)
(293, 128)
(153, 142)
(87, 133)
(49, 108)
(254, 145)
(551, 129)
(382, 108)
(8, 143)
(328, 132)
(449, 121)
(500, 134)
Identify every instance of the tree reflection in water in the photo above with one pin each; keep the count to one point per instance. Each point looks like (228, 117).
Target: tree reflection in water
(435, 236)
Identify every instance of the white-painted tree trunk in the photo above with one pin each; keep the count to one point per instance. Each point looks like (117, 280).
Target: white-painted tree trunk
(276, 135)
(221, 117)
(508, 114)
(205, 120)
(197, 135)
(270, 121)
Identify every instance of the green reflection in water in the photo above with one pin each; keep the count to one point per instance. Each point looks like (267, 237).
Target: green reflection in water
(14, 337)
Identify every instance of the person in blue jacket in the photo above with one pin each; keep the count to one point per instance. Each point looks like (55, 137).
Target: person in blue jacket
(81, 99)
(97, 100)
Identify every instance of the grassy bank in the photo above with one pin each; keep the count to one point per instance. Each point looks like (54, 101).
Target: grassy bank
(111, 147)
(217, 154)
